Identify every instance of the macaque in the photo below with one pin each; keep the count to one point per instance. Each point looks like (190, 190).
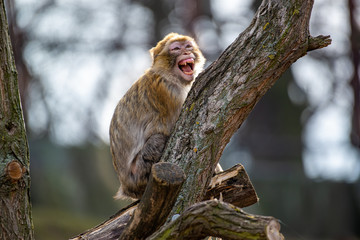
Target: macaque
(145, 116)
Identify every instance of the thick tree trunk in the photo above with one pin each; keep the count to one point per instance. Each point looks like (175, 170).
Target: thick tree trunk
(15, 207)
(355, 81)
(225, 93)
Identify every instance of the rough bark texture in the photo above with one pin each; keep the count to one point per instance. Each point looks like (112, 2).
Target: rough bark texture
(15, 208)
(219, 219)
(225, 93)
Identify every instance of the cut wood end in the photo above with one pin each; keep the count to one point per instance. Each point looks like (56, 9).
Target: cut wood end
(14, 170)
(273, 231)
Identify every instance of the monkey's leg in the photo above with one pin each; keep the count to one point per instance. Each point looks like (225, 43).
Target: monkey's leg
(141, 166)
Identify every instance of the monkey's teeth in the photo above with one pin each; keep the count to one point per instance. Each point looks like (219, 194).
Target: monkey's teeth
(186, 61)
(187, 66)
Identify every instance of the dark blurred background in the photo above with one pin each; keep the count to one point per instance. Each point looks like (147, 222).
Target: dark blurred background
(300, 145)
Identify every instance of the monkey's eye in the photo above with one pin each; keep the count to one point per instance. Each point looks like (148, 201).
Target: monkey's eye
(175, 48)
(188, 46)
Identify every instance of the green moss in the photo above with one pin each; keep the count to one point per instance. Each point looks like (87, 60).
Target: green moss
(192, 106)
(265, 26)
(241, 235)
(247, 235)
(166, 234)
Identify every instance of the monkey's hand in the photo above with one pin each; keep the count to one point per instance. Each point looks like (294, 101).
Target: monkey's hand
(154, 147)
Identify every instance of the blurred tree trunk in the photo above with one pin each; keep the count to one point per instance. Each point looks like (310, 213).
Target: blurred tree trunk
(15, 207)
(355, 81)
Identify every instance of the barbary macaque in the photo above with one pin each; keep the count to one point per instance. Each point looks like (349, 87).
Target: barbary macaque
(146, 114)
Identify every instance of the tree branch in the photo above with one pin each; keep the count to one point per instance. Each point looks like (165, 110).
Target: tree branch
(318, 42)
(219, 219)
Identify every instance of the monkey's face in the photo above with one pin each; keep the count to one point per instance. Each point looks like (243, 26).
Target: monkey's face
(184, 63)
(178, 55)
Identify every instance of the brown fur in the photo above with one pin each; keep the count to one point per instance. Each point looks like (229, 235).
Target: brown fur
(145, 116)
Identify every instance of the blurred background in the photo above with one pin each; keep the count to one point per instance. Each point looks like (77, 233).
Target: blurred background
(300, 145)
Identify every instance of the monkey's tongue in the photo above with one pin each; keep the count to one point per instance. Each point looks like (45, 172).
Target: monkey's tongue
(186, 66)
(186, 69)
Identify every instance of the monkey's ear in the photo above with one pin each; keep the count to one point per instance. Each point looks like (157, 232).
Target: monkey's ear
(152, 53)
(161, 45)
(156, 50)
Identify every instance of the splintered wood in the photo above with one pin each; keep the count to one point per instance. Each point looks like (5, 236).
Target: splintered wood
(232, 186)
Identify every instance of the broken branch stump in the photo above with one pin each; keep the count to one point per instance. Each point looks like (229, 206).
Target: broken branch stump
(234, 186)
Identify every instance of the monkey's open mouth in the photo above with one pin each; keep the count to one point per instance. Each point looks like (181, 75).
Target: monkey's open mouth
(187, 66)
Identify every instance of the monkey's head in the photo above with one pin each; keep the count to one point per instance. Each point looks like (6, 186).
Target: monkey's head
(178, 55)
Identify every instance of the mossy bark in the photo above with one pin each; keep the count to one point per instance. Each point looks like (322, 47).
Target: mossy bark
(219, 219)
(15, 207)
(225, 93)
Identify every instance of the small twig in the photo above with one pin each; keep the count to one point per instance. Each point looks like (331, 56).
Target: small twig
(318, 42)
